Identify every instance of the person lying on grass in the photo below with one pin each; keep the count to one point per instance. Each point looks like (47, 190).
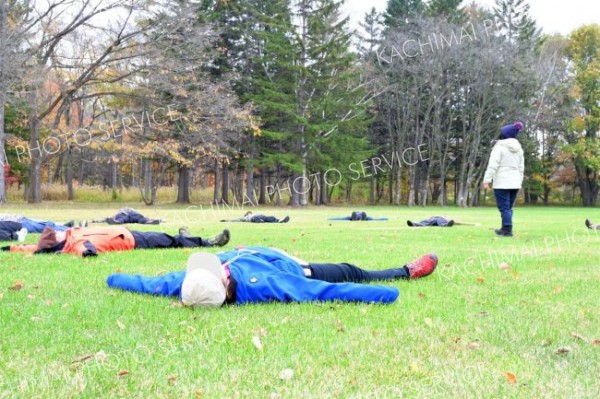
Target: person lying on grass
(251, 218)
(357, 216)
(258, 274)
(31, 225)
(127, 216)
(441, 221)
(590, 225)
(90, 241)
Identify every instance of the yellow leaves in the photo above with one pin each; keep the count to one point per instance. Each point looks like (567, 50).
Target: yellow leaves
(122, 373)
(511, 378)
(17, 285)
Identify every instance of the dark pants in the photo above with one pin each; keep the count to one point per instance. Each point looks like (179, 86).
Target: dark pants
(150, 240)
(264, 219)
(344, 272)
(8, 230)
(129, 217)
(505, 199)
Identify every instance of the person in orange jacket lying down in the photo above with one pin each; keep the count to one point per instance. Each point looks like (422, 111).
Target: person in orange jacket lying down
(89, 241)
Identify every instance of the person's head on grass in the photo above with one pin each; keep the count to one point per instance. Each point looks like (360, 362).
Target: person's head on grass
(205, 282)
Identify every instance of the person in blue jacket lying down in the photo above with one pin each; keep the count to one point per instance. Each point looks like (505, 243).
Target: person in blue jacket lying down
(258, 274)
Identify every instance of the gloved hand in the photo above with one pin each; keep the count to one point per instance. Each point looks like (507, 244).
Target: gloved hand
(88, 252)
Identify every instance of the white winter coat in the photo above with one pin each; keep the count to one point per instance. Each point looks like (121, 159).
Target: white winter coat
(506, 166)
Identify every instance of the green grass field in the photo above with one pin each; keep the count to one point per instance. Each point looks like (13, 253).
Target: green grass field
(514, 318)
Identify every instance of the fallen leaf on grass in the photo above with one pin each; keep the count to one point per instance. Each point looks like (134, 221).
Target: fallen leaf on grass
(562, 350)
(480, 280)
(118, 270)
(557, 289)
(172, 379)
(122, 373)
(474, 345)
(516, 275)
(375, 333)
(286, 374)
(82, 359)
(198, 394)
(575, 335)
(510, 377)
(120, 325)
(339, 326)
(17, 285)
(191, 329)
(421, 295)
(256, 342)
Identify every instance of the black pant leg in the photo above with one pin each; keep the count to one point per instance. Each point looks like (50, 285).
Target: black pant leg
(347, 273)
(149, 240)
(8, 230)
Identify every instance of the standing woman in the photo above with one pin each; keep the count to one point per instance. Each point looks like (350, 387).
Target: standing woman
(505, 169)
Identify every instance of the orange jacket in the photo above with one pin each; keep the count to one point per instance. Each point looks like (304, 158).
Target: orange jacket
(103, 239)
(91, 240)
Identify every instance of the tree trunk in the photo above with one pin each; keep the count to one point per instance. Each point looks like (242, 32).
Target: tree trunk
(277, 180)
(295, 196)
(397, 172)
(372, 189)
(262, 190)
(35, 171)
(183, 186)
(69, 178)
(225, 184)
(217, 172)
(3, 160)
(250, 184)
(3, 90)
(149, 198)
(323, 189)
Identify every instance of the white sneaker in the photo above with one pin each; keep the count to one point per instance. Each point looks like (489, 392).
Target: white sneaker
(21, 234)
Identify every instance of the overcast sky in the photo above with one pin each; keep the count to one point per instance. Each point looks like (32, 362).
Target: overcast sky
(553, 16)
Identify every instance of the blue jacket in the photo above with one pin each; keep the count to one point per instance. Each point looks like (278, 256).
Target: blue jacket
(263, 275)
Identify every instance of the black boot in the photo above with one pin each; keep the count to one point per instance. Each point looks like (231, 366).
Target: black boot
(505, 231)
(218, 241)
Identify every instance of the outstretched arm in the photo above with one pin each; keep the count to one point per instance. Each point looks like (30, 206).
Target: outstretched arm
(168, 284)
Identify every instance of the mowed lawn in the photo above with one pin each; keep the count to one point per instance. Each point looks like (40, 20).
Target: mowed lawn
(514, 318)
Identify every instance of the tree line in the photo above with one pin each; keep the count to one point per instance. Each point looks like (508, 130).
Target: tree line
(281, 102)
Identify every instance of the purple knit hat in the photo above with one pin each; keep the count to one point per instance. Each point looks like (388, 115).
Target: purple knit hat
(510, 131)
